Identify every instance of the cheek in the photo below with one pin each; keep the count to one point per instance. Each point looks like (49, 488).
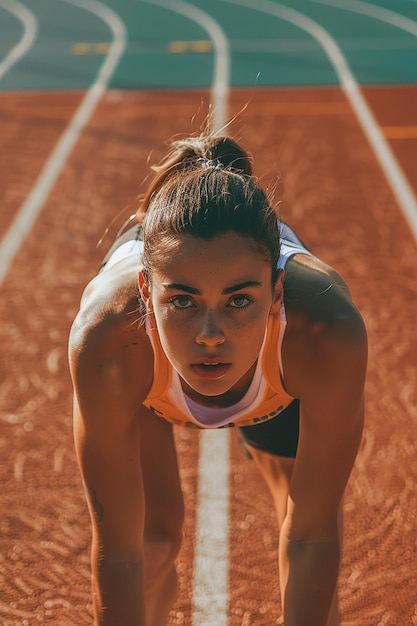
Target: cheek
(251, 333)
(176, 344)
(172, 333)
(253, 336)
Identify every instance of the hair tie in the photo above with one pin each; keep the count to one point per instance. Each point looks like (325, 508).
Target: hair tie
(215, 164)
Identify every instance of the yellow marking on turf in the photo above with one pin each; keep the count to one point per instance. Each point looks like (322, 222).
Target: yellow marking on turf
(80, 49)
(400, 132)
(102, 48)
(179, 47)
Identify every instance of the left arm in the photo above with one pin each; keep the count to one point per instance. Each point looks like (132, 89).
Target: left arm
(330, 381)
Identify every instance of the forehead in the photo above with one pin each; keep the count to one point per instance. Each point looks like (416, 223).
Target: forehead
(226, 256)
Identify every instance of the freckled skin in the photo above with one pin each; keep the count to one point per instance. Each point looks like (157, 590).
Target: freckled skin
(127, 456)
(210, 324)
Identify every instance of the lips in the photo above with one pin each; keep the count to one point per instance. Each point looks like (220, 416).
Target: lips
(211, 369)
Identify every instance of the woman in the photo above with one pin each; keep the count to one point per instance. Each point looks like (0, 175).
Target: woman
(192, 320)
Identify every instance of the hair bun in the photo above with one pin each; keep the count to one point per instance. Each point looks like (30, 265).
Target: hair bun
(227, 152)
(204, 150)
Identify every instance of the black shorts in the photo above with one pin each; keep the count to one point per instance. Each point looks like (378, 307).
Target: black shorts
(278, 436)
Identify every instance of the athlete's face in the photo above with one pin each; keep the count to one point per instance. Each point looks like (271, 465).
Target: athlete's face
(211, 301)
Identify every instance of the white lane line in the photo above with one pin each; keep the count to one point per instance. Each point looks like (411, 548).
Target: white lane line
(398, 182)
(31, 207)
(30, 27)
(221, 76)
(211, 560)
(371, 10)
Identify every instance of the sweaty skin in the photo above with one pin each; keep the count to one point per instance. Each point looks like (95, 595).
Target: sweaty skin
(202, 316)
(127, 456)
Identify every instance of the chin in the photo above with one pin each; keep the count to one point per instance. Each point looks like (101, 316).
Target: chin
(209, 388)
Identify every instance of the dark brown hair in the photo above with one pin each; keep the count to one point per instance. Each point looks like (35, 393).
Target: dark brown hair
(204, 187)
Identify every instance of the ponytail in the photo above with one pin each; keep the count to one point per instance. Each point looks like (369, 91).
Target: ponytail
(203, 151)
(204, 187)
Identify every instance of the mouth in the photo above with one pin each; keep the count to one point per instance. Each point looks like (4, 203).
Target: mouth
(211, 369)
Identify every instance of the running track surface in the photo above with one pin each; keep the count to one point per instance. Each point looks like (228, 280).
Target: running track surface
(349, 209)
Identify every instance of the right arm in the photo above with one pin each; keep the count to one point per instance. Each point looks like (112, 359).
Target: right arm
(111, 474)
(105, 350)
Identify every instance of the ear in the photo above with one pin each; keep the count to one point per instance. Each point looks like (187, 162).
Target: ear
(278, 293)
(144, 289)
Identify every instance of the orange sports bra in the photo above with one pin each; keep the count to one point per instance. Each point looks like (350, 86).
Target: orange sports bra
(265, 398)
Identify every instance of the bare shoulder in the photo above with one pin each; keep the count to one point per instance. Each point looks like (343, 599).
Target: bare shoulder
(325, 331)
(108, 346)
(316, 294)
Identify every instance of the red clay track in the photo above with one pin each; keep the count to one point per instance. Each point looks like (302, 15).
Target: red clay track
(337, 199)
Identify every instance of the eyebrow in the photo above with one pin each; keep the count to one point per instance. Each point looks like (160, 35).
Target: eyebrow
(227, 290)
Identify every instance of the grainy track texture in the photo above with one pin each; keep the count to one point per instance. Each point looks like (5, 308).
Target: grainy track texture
(339, 202)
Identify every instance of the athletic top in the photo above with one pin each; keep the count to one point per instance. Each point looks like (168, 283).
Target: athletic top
(266, 396)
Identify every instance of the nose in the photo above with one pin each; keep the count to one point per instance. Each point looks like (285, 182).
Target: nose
(210, 332)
